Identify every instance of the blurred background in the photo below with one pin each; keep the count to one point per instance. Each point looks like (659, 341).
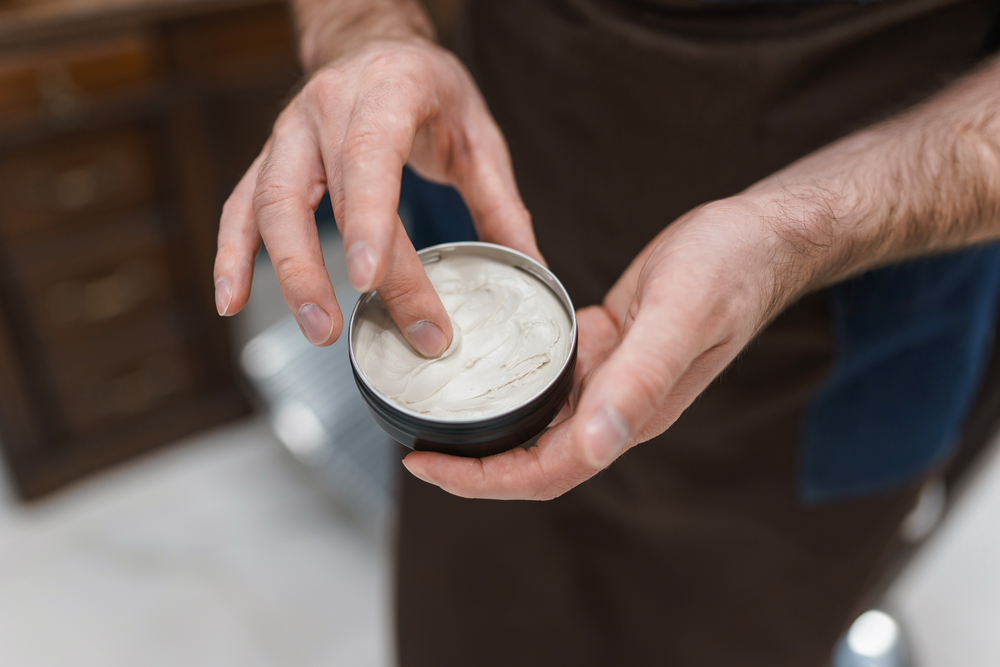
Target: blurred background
(183, 489)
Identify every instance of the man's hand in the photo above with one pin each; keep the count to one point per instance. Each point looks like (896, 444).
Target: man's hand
(925, 182)
(351, 129)
(685, 307)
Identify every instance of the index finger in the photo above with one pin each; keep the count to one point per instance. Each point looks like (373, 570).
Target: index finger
(379, 254)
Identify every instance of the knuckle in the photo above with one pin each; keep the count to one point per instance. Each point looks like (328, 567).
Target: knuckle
(362, 140)
(324, 87)
(326, 99)
(397, 62)
(381, 129)
(293, 270)
(272, 191)
(386, 62)
(399, 292)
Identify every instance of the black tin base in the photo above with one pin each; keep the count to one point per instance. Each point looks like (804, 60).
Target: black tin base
(472, 439)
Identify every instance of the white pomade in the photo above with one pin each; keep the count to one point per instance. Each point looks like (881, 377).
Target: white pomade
(512, 336)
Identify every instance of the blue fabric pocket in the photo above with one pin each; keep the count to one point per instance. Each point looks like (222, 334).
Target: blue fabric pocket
(912, 343)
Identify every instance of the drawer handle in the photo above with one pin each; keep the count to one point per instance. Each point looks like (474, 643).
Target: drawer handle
(126, 289)
(59, 92)
(79, 187)
(139, 389)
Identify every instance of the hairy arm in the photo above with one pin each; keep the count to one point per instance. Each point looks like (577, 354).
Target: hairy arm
(926, 181)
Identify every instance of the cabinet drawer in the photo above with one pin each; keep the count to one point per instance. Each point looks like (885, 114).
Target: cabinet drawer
(123, 373)
(76, 306)
(61, 183)
(92, 279)
(256, 43)
(127, 390)
(62, 82)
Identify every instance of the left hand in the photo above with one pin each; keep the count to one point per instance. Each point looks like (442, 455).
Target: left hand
(924, 182)
(685, 307)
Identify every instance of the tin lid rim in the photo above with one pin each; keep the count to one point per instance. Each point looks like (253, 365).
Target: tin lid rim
(492, 251)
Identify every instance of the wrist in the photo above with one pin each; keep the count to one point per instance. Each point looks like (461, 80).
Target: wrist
(329, 30)
(799, 236)
(826, 214)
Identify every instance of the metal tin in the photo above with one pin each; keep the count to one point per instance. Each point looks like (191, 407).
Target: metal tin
(474, 437)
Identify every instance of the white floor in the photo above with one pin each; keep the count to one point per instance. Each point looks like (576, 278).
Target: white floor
(949, 596)
(218, 552)
(222, 551)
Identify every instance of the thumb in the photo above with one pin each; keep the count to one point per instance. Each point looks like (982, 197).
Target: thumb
(626, 391)
(668, 354)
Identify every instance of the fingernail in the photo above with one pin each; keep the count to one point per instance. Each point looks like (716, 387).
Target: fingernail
(422, 478)
(315, 323)
(428, 339)
(606, 435)
(223, 295)
(361, 266)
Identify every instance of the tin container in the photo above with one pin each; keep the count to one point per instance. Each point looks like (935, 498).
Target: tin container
(475, 437)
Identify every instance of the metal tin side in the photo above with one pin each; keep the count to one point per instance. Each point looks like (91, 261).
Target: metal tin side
(474, 437)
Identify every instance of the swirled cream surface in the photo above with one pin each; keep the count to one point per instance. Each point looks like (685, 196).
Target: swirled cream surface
(512, 335)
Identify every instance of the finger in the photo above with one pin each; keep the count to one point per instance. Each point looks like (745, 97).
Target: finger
(366, 179)
(412, 301)
(239, 242)
(289, 185)
(379, 254)
(487, 184)
(598, 335)
(671, 350)
(542, 472)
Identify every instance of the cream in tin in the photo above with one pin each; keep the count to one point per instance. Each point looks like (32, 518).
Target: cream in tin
(511, 338)
(510, 368)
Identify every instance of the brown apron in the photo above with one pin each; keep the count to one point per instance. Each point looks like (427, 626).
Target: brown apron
(693, 549)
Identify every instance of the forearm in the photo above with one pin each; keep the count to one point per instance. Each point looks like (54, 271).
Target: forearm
(923, 182)
(329, 28)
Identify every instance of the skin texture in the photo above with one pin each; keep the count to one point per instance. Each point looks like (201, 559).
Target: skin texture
(926, 181)
(391, 98)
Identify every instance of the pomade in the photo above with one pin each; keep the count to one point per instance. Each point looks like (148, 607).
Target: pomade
(511, 337)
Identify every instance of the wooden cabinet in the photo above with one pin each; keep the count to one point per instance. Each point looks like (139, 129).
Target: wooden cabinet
(121, 133)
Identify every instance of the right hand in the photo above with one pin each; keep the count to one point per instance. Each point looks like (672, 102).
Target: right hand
(351, 129)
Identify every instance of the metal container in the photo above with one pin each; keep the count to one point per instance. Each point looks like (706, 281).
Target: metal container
(474, 437)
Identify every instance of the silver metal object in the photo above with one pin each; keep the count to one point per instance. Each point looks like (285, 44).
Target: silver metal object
(317, 413)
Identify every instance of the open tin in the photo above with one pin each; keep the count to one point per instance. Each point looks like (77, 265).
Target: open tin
(474, 437)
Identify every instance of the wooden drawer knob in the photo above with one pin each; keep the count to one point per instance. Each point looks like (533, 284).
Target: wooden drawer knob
(127, 288)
